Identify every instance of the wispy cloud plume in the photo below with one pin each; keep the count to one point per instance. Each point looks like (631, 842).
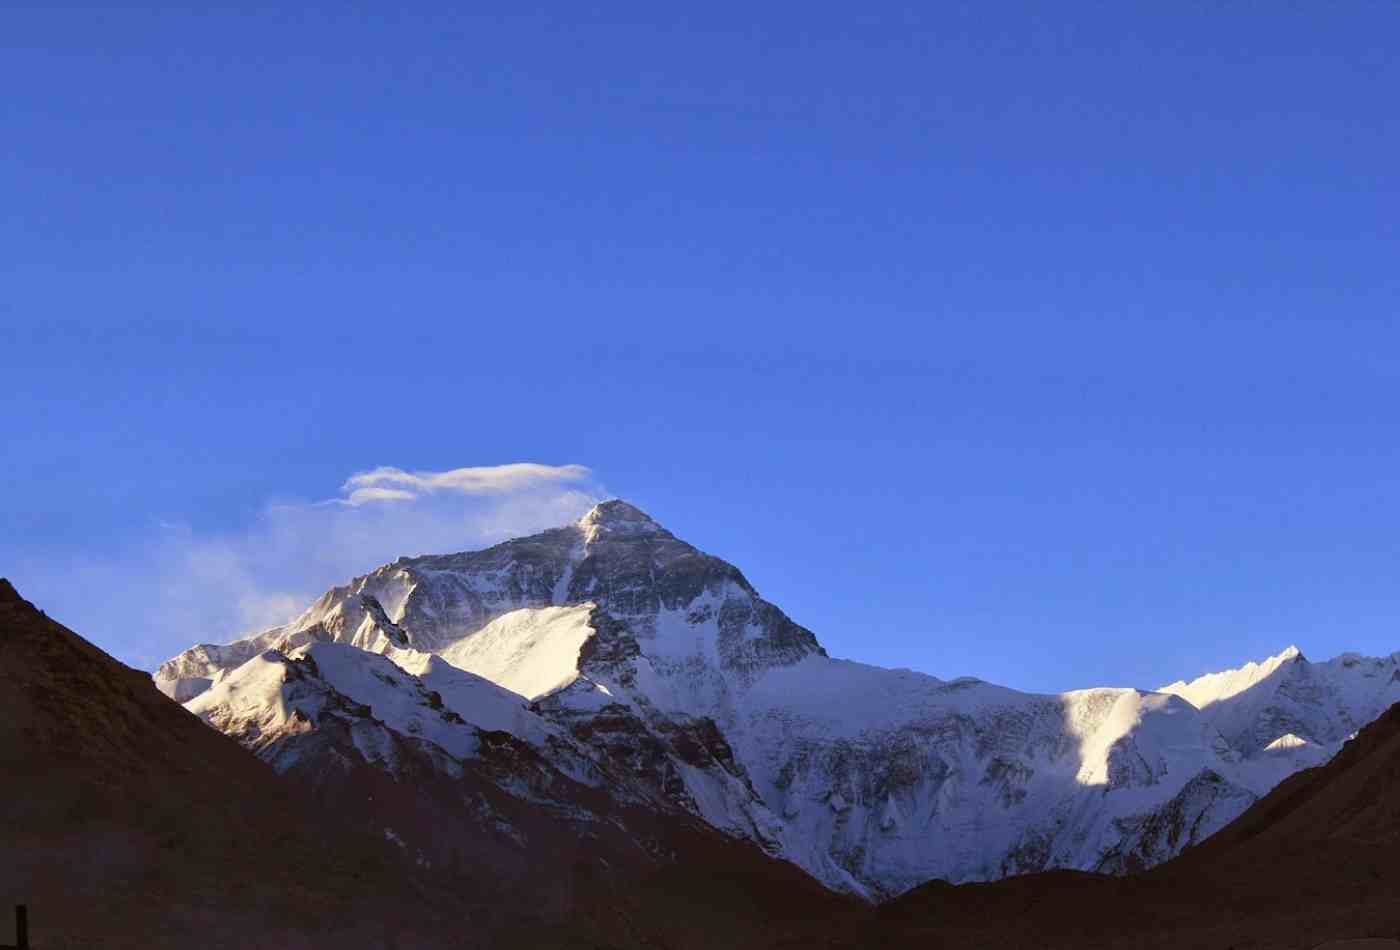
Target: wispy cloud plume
(394, 484)
(177, 586)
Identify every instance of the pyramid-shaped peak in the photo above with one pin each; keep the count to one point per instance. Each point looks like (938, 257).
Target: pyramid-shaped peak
(617, 517)
(8, 594)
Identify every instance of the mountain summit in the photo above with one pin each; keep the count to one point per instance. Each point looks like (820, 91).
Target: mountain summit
(619, 518)
(640, 656)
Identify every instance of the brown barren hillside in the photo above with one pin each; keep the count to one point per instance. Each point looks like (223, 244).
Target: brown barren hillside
(125, 821)
(124, 817)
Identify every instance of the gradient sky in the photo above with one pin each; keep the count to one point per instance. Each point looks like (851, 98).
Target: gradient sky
(1055, 344)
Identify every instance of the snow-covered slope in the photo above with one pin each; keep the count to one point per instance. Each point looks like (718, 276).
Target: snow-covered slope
(396, 751)
(275, 693)
(668, 668)
(530, 651)
(1287, 695)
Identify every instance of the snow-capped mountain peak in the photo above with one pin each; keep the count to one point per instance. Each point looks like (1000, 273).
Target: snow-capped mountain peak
(1286, 695)
(1215, 687)
(617, 518)
(669, 668)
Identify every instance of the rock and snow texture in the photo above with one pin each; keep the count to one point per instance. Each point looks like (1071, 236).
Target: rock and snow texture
(1285, 696)
(275, 695)
(662, 664)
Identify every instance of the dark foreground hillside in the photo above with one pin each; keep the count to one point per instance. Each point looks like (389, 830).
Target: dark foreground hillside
(125, 821)
(124, 818)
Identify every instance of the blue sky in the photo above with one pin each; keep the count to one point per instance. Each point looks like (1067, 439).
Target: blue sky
(1053, 345)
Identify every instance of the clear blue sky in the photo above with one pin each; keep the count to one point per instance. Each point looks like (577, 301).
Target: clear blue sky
(1053, 344)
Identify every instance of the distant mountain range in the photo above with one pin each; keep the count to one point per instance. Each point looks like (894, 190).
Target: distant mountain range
(1317, 860)
(603, 680)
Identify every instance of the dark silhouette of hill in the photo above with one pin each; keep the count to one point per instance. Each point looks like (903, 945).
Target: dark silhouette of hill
(124, 817)
(125, 821)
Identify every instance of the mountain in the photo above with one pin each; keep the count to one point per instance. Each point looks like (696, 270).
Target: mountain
(456, 771)
(127, 821)
(1314, 861)
(1327, 835)
(124, 815)
(1290, 699)
(689, 693)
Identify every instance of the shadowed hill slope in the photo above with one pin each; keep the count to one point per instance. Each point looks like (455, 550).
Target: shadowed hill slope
(1351, 803)
(124, 818)
(123, 815)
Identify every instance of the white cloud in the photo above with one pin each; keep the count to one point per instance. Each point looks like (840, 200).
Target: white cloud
(178, 586)
(394, 484)
(362, 496)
